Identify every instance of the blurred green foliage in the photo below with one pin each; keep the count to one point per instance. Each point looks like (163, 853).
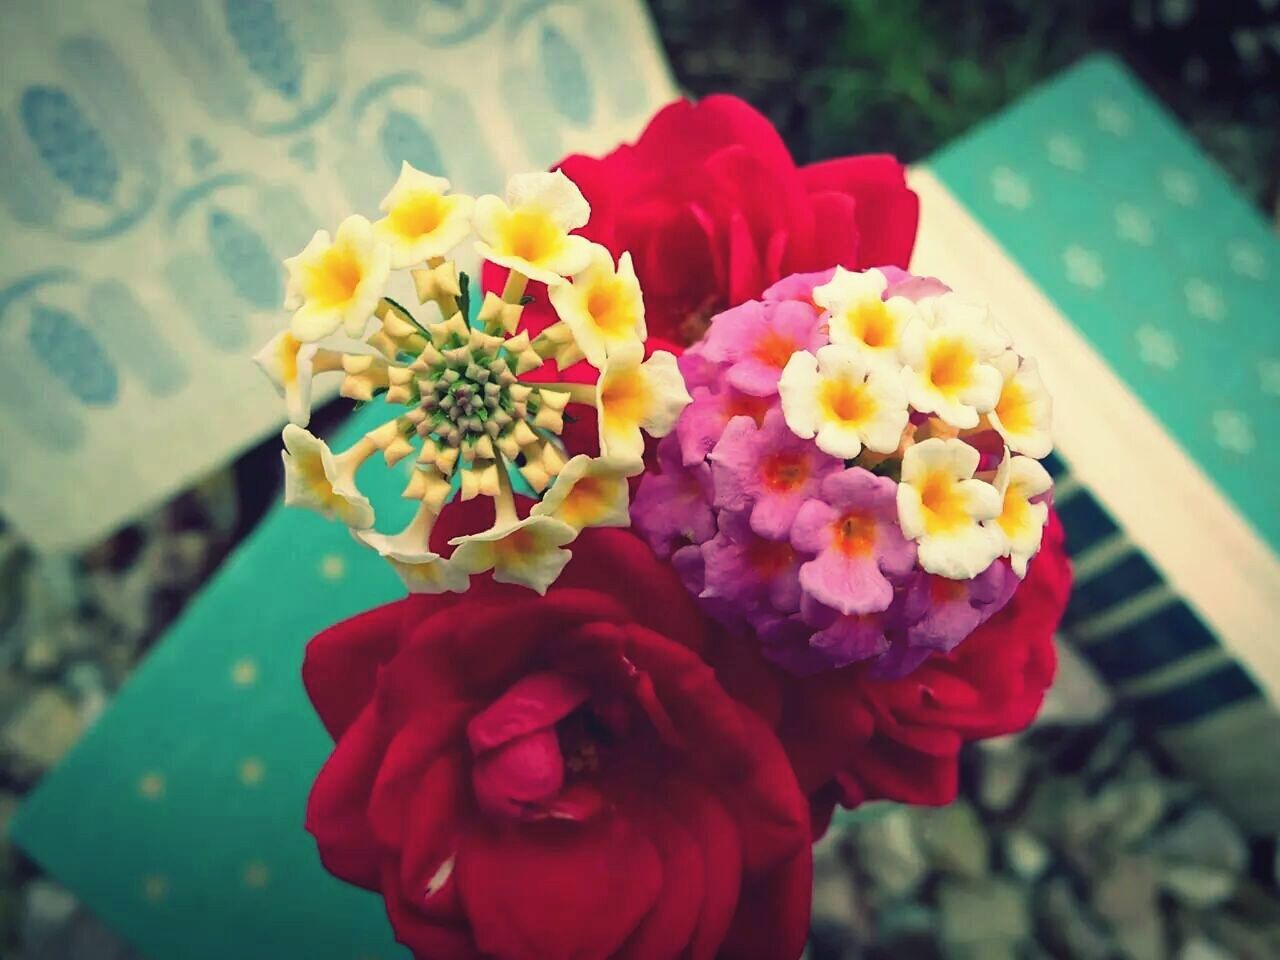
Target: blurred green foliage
(841, 76)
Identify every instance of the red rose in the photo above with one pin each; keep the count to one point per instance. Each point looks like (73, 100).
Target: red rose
(713, 210)
(853, 738)
(558, 777)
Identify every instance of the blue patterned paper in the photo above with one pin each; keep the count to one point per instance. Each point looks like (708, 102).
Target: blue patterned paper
(1098, 194)
(158, 159)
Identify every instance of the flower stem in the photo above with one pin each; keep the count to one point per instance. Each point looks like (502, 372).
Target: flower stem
(514, 288)
(584, 393)
(351, 459)
(504, 504)
(326, 361)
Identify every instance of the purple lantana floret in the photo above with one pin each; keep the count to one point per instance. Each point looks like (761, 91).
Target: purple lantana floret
(767, 472)
(757, 339)
(673, 507)
(856, 543)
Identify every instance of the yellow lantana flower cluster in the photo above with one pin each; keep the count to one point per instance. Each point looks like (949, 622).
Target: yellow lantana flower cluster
(482, 413)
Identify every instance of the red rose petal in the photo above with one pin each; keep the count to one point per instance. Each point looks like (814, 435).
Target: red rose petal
(411, 750)
(534, 701)
(341, 664)
(432, 834)
(519, 776)
(716, 834)
(426, 937)
(336, 806)
(670, 924)
(557, 891)
(772, 919)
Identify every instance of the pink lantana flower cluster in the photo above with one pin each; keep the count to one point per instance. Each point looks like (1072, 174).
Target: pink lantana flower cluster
(857, 477)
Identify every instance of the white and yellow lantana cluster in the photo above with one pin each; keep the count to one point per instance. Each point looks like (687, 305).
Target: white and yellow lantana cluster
(901, 387)
(482, 415)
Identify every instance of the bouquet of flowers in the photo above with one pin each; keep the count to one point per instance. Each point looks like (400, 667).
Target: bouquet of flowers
(573, 740)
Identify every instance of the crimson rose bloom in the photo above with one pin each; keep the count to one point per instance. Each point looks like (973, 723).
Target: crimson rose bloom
(558, 777)
(853, 738)
(713, 209)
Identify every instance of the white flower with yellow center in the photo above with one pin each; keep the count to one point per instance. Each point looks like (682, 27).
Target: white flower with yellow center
(942, 507)
(844, 399)
(530, 231)
(423, 220)
(408, 553)
(635, 396)
(589, 492)
(337, 283)
(290, 364)
(858, 314)
(949, 361)
(602, 308)
(1020, 523)
(1024, 412)
(316, 479)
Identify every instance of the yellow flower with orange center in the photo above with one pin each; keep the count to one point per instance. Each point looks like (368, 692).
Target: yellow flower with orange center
(844, 400)
(635, 396)
(1024, 411)
(942, 507)
(529, 232)
(588, 492)
(1020, 523)
(423, 220)
(949, 358)
(290, 364)
(337, 283)
(602, 308)
(315, 478)
(528, 552)
(858, 314)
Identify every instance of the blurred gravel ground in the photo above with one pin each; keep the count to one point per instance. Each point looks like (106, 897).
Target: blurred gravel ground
(1071, 841)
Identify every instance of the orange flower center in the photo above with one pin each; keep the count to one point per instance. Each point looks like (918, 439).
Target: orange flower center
(950, 363)
(530, 235)
(874, 326)
(1016, 512)
(586, 501)
(744, 405)
(769, 558)
(774, 349)
(335, 278)
(855, 534)
(419, 215)
(784, 471)
(1014, 410)
(848, 401)
(517, 544)
(607, 306)
(944, 507)
(625, 398)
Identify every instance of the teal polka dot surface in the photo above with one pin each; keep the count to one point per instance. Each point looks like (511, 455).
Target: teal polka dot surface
(1105, 202)
(178, 819)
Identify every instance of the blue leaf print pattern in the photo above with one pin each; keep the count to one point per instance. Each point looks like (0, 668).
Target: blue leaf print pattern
(73, 355)
(404, 138)
(263, 38)
(566, 76)
(244, 259)
(69, 145)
